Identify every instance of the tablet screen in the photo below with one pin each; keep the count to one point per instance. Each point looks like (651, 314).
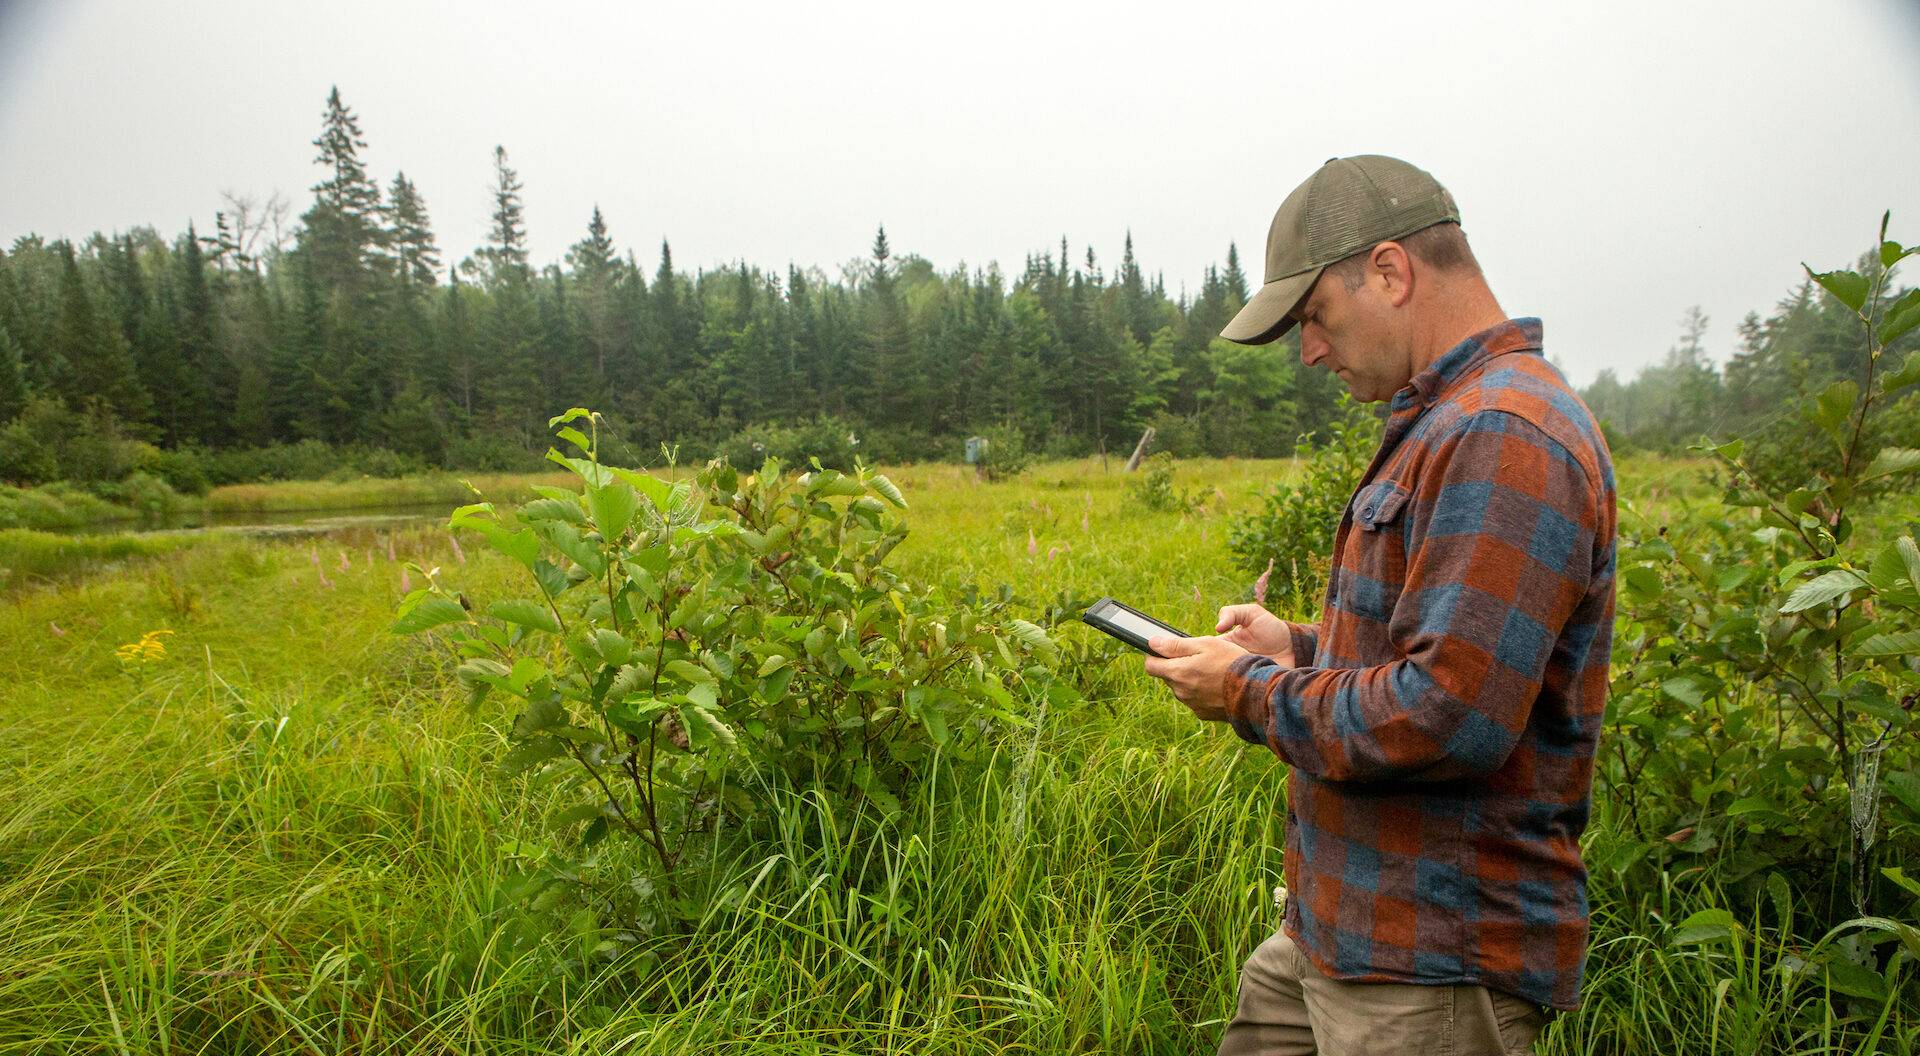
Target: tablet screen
(1134, 622)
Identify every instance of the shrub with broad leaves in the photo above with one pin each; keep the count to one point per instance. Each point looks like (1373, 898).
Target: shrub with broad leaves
(699, 648)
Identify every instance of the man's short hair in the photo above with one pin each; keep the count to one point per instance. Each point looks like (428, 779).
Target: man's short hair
(1442, 247)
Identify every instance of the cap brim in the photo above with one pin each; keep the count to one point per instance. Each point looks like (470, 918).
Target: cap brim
(1265, 317)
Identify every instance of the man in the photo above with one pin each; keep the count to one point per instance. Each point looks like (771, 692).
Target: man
(1440, 719)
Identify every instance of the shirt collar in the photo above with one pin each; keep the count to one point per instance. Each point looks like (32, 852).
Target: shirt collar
(1513, 335)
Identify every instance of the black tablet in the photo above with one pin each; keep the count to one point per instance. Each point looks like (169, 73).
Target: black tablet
(1128, 624)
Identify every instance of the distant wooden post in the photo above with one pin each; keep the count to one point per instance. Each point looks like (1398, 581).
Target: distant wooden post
(1140, 449)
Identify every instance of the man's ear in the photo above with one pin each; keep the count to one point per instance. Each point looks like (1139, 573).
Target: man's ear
(1392, 267)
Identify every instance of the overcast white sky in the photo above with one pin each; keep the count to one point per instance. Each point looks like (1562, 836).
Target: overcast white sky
(1614, 163)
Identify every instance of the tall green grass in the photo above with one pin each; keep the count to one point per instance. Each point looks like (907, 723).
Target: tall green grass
(447, 489)
(287, 836)
(56, 506)
(28, 557)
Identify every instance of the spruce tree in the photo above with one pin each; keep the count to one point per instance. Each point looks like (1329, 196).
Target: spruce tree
(503, 260)
(1235, 279)
(343, 236)
(208, 375)
(416, 258)
(13, 378)
(95, 364)
(597, 272)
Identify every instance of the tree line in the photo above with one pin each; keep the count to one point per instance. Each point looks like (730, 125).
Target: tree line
(354, 330)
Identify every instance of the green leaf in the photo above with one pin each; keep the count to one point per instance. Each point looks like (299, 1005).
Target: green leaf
(612, 646)
(771, 664)
(613, 508)
(594, 475)
(1910, 556)
(1899, 875)
(1822, 589)
(1751, 805)
(526, 671)
(553, 582)
(888, 490)
(628, 680)
(1730, 450)
(1892, 460)
(689, 672)
(523, 546)
(576, 438)
(1849, 287)
(542, 713)
(657, 491)
(830, 482)
(1902, 316)
(1031, 636)
(1891, 252)
(1893, 643)
(1856, 980)
(1831, 408)
(595, 831)
(1888, 572)
(525, 613)
(714, 723)
(1643, 581)
(551, 510)
(481, 671)
(636, 716)
(935, 722)
(470, 513)
(1906, 375)
(572, 414)
(1707, 925)
(1687, 689)
(428, 611)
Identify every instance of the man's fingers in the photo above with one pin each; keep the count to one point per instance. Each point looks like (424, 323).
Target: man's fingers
(1172, 646)
(1238, 616)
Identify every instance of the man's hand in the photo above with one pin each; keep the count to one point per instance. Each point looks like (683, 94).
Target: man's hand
(1196, 670)
(1257, 631)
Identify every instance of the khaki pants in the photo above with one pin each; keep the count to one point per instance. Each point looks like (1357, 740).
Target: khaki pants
(1288, 1008)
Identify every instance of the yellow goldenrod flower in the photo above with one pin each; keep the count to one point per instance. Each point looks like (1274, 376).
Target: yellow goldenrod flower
(148, 650)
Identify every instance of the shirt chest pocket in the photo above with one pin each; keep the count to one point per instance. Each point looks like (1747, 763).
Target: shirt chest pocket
(1373, 570)
(1377, 507)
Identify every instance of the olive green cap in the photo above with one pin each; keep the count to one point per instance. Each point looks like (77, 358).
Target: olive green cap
(1346, 206)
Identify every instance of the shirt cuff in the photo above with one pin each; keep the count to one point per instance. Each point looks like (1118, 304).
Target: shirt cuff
(1248, 707)
(1306, 642)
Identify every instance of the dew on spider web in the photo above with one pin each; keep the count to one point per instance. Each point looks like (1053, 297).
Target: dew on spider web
(1865, 796)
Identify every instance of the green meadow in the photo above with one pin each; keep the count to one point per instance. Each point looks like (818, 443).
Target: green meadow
(282, 829)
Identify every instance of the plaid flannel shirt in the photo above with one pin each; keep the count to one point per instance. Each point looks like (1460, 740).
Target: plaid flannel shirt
(1441, 726)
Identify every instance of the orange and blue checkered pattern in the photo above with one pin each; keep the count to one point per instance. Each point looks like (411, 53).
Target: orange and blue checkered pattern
(1441, 738)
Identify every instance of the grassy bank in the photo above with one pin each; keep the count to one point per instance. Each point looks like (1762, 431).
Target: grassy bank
(57, 506)
(29, 557)
(448, 489)
(287, 835)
